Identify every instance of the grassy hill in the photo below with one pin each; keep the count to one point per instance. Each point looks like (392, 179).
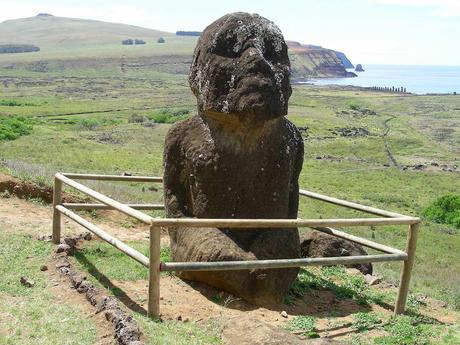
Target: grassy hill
(68, 43)
(50, 32)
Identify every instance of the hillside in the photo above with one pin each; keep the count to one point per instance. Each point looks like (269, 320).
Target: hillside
(310, 61)
(48, 31)
(67, 44)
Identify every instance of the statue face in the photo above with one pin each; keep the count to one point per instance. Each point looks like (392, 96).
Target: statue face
(241, 69)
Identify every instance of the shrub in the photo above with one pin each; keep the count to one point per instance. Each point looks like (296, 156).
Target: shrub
(15, 103)
(170, 115)
(91, 124)
(353, 105)
(138, 41)
(129, 41)
(161, 40)
(12, 128)
(445, 210)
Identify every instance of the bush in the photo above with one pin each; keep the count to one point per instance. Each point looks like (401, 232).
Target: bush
(12, 128)
(161, 40)
(170, 115)
(353, 105)
(138, 41)
(91, 124)
(15, 103)
(445, 210)
(129, 41)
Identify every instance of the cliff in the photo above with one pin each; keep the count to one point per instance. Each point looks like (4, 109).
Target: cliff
(310, 61)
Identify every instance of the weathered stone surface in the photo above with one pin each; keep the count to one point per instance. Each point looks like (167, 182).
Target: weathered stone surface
(239, 158)
(316, 244)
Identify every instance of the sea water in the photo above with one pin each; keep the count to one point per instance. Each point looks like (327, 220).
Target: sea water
(416, 79)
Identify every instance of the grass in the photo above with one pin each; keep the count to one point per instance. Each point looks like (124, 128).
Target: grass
(304, 323)
(336, 279)
(111, 134)
(34, 315)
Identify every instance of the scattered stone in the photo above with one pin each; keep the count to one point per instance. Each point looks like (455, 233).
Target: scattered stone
(43, 268)
(46, 238)
(63, 248)
(27, 282)
(63, 262)
(179, 318)
(284, 314)
(372, 280)
(87, 236)
(350, 131)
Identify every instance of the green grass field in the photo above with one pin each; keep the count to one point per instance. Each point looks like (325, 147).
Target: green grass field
(88, 115)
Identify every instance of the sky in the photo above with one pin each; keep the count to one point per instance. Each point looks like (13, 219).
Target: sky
(411, 32)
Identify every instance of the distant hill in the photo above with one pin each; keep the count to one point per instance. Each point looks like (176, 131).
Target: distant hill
(68, 43)
(45, 30)
(312, 61)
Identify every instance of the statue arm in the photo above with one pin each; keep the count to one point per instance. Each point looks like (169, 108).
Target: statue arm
(294, 184)
(175, 195)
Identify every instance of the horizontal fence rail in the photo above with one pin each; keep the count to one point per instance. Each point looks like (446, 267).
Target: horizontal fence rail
(81, 206)
(352, 205)
(155, 265)
(278, 263)
(278, 223)
(131, 252)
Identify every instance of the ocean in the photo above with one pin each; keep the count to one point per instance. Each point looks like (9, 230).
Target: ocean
(416, 79)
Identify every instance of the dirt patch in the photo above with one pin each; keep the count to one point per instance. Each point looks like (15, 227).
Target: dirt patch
(30, 190)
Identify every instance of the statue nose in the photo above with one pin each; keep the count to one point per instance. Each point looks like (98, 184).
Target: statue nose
(255, 61)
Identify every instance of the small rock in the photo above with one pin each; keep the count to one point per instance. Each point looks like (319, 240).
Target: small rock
(27, 282)
(43, 268)
(87, 236)
(63, 248)
(284, 314)
(353, 271)
(372, 280)
(62, 263)
(179, 318)
(46, 238)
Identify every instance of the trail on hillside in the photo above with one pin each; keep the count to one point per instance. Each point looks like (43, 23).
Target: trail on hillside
(386, 143)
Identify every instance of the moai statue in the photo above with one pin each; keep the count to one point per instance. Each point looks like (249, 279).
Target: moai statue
(238, 158)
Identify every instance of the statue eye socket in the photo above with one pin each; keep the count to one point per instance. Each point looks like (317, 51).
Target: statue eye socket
(225, 46)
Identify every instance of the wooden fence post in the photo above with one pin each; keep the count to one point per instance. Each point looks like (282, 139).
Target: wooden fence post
(154, 273)
(57, 198)
(406, 269)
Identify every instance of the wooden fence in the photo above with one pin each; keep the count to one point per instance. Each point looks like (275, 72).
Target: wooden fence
(155, 266)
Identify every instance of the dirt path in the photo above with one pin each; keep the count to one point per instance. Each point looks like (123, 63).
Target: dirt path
(385, 141)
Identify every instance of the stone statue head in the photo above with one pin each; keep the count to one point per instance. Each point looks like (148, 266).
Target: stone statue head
(241, 69)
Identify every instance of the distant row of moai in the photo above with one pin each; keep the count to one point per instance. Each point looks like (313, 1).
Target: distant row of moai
(388, 89)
